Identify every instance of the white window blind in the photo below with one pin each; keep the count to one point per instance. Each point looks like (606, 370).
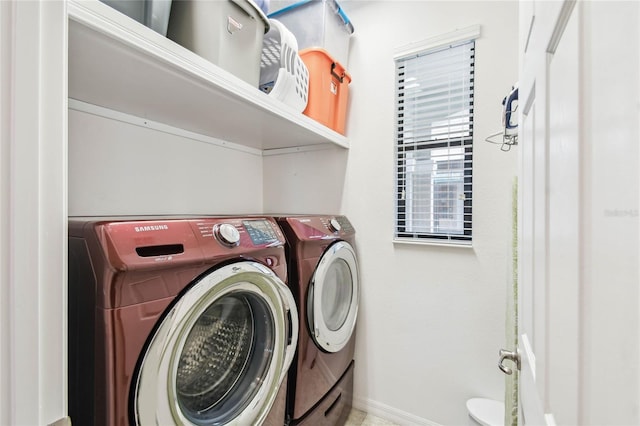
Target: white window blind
(434, 144)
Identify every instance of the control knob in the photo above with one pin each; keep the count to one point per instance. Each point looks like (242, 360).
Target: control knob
(227, 234)
(334, 225)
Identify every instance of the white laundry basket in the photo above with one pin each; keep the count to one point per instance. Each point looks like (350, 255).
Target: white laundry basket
(283, 75)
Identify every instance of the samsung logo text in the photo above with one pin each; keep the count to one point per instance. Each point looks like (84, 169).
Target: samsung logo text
(151, 228)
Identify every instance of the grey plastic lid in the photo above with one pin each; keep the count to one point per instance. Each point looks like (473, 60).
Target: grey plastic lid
(343, 16)
(258, 10)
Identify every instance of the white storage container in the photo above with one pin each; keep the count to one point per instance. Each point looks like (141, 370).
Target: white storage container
(151, 13)
(318, 24)
(283, 75)
(228, 33)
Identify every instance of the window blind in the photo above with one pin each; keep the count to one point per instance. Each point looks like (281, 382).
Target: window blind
(434, 144)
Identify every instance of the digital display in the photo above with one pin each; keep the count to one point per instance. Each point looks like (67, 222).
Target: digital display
(345, 224)
(260, 231)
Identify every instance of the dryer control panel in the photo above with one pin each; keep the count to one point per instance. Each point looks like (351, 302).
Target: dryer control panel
(320, 227)
(338, 224)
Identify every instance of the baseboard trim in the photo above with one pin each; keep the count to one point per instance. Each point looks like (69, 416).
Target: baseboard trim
(384, 411)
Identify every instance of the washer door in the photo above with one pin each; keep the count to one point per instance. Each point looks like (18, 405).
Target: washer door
(333, 297)
(221, 351)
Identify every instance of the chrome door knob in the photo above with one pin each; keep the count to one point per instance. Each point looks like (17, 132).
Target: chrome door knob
(512, 356)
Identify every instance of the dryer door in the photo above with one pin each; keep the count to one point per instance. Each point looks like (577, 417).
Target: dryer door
(333, 297)
(221, 351)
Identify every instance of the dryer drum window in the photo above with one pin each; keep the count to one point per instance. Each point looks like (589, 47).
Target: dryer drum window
(225, 354)
(337, 294)
(333, 297)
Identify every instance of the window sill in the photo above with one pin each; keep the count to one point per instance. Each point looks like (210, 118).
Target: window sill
(462, 244)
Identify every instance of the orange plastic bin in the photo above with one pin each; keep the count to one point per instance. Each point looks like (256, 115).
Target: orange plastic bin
(328, 89)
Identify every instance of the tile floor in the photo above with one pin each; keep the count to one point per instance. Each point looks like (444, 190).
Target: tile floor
(360, 418)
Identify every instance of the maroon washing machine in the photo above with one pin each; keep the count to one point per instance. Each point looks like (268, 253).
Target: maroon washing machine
(324, 280)
(179, 321)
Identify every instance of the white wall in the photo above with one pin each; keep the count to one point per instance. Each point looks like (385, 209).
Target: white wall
(118, 168)
(305, 182)
(432, 318)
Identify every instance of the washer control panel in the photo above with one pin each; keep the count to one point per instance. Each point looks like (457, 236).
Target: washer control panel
(240, 232)
(260, 231)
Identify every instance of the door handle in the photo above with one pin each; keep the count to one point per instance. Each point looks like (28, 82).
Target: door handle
(511, 356)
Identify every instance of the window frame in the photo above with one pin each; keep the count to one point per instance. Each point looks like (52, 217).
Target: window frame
(401, 235)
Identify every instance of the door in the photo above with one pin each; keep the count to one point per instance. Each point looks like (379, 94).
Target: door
(333, 297)
(220, 353)
(549, 296)
(578, 223)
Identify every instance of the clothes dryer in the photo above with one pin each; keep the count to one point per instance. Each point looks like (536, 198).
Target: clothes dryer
(324, 279)
(179, 321)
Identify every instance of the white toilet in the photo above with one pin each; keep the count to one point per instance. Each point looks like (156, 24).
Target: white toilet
(486, 412)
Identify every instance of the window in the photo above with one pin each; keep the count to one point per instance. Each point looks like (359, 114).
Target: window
(434, 143)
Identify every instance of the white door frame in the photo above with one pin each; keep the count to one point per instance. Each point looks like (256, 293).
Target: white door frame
(33, 212)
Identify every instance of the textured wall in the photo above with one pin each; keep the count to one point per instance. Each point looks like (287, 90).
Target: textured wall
(433, 318)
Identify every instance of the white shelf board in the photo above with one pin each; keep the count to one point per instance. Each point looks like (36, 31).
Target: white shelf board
(119, 64)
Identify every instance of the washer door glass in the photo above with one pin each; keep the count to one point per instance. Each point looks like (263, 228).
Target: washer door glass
(227, 352)
(332, 304)
(220, 352)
